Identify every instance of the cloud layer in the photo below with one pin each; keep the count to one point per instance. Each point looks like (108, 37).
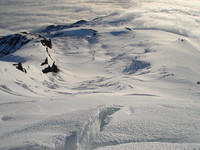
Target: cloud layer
(180, 16)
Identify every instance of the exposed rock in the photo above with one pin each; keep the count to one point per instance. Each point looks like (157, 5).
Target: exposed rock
(52, 68)
(182, 40)
(53, 28)
(46, 42)
(19, 66)
(45, 62)
(128, 28)
(46, 70)
(10, 43)
(135, 66)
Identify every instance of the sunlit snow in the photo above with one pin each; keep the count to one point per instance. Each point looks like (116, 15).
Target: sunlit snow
(100, 74)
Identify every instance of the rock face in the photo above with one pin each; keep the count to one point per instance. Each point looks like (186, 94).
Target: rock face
(19, 66)
(11, 43)
(52, 68)
(53, 28)
(46, 42)
(45, 62)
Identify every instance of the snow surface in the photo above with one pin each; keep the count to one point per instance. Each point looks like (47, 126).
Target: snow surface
(128, 74)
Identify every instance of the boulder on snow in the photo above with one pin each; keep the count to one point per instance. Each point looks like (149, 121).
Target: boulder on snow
(46, 42)
(19, 66)
(46, 70)
(128, 28)
(45, 62)
(52, 68)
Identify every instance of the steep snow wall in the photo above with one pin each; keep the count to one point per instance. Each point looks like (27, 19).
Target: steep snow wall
(83, 138)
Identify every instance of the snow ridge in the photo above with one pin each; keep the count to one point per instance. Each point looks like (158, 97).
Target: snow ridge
(11, 43)
(83, 138)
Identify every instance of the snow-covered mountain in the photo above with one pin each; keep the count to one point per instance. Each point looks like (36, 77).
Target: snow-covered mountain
(81, 75)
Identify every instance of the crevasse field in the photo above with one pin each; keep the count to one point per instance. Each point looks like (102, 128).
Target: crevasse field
(99, 75)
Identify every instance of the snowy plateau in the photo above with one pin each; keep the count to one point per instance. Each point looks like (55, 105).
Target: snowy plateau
(99, 75)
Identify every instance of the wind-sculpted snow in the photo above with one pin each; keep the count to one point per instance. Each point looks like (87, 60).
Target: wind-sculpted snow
(117, 51)
(76, 130)
(135, 66)
(158, 124)
(12, 43)
(99, 74)
(152, 146)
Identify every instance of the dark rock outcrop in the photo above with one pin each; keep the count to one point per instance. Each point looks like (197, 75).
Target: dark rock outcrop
(19, 66)
(135, 66)
(52, 68)
(46, 70)
(10, 43)
(53, 28)
(45, 62)
(46, 42)
(128, 28)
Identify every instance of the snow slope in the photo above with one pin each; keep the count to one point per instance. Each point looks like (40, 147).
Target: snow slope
(100, 74)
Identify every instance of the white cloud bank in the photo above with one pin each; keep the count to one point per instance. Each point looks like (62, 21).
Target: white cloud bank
(180, 17)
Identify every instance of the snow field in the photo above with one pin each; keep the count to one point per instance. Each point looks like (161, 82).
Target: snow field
(128, 75)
